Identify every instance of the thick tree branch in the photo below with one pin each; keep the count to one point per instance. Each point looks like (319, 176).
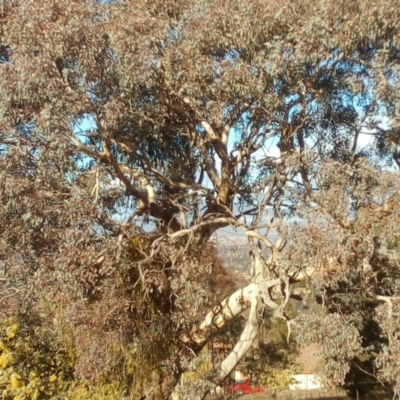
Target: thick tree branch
(147, 198)
(229, 308)
(389, 301)
(158, 175)
(242, 346)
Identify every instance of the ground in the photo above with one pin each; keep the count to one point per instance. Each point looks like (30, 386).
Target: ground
(317, 394)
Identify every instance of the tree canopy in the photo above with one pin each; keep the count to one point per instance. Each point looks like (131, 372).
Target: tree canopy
(132, 131)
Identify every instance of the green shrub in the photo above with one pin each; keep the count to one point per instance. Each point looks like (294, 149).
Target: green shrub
(31, 369)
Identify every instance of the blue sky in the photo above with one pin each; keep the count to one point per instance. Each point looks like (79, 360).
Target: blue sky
(270, 149)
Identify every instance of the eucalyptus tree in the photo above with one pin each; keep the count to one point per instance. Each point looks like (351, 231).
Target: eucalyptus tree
(278, 118)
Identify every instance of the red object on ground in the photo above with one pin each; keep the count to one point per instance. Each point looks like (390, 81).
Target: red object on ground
(245, 388)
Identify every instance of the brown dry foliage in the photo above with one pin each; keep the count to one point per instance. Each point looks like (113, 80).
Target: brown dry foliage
(156, 119)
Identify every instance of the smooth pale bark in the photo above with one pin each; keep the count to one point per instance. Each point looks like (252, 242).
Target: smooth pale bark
(389, 301)
(242, 346)
(210, 382)
(229, 308)
(254, 295)
(249, 296)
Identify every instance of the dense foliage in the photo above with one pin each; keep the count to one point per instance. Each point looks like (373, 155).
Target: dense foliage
(131, 131)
